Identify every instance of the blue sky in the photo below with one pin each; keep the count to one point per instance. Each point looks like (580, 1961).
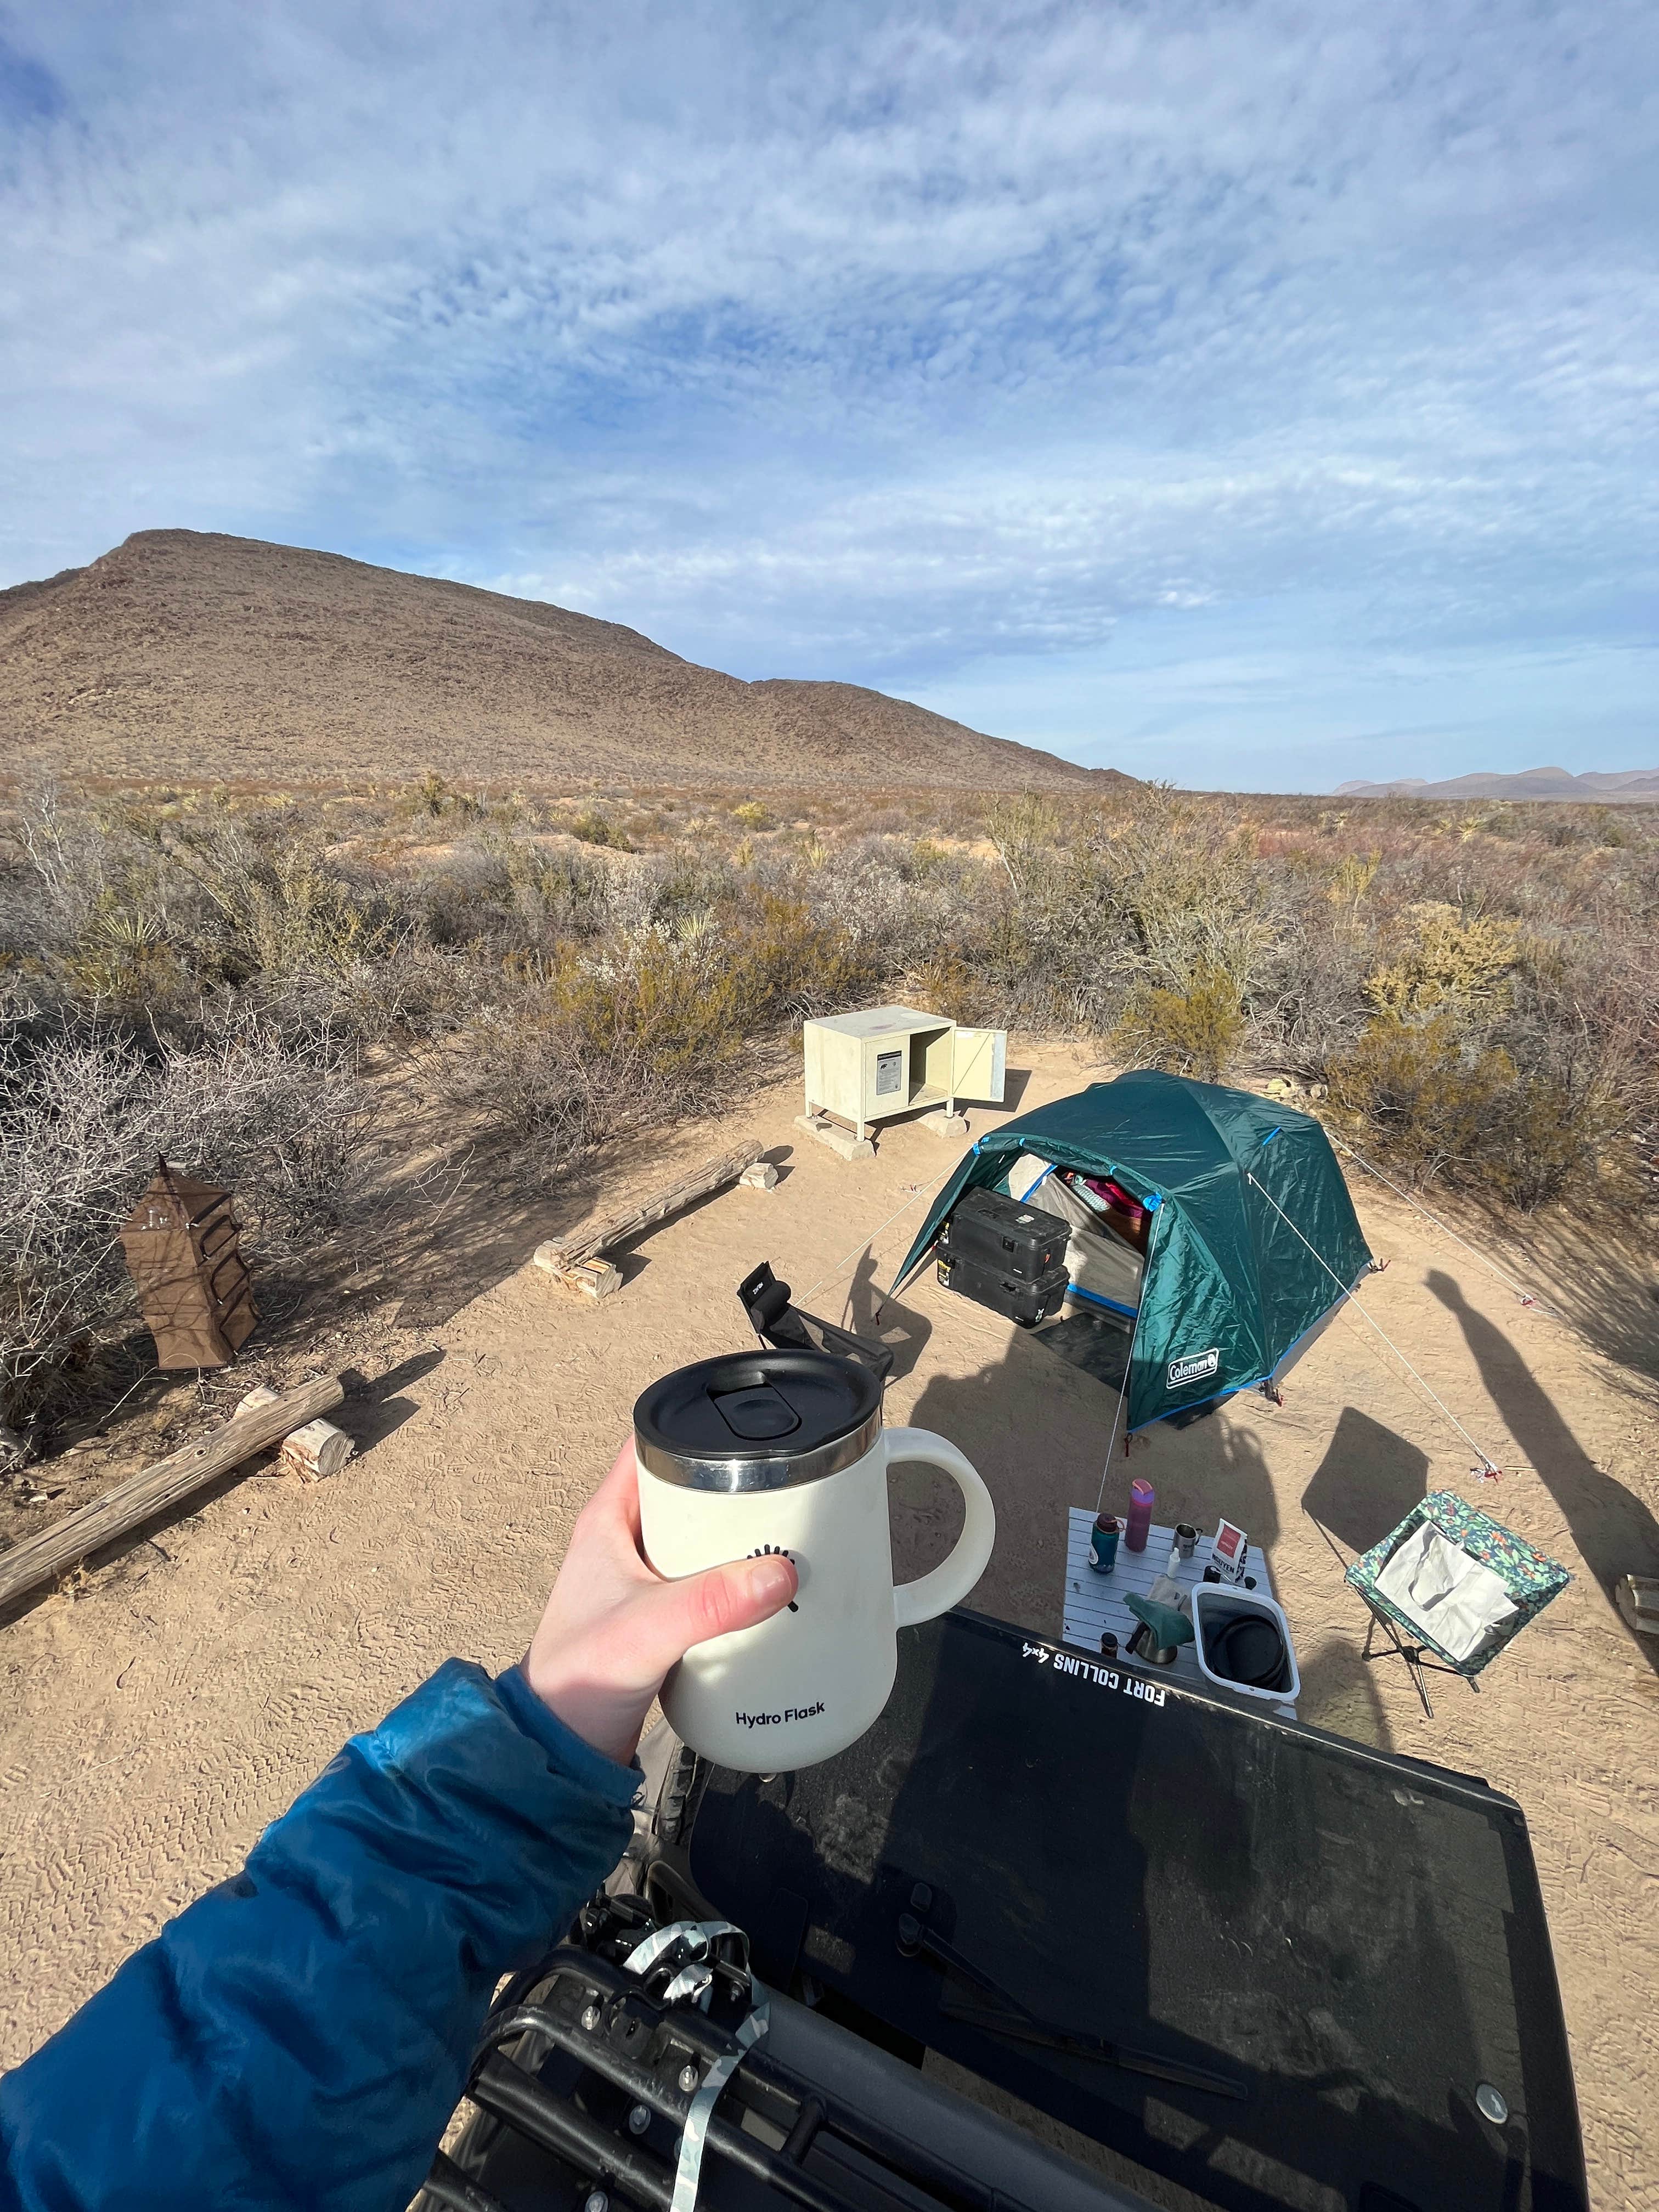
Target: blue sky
(1254, 394)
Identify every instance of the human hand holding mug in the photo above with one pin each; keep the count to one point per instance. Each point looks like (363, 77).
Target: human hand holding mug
(783, 1455)
(613, 1627)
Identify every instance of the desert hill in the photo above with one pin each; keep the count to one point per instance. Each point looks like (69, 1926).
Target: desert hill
(1627, 785)
(181, 656)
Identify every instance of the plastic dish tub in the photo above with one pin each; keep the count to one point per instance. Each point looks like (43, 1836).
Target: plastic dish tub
(1214, 1604)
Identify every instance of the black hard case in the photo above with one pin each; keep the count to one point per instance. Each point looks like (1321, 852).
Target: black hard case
(993, 1230)
(1005, 1293)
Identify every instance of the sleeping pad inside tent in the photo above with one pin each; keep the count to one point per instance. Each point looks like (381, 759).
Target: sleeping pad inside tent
(1250, 1237)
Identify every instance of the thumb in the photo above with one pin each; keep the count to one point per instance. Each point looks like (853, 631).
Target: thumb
(717, 1602)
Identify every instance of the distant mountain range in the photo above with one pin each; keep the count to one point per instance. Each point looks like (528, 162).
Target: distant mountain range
(1624, 784)
(196, 659)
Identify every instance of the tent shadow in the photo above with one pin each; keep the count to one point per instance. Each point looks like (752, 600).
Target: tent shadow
(1037, 1429)
(1615, 1532)
(904, 1330)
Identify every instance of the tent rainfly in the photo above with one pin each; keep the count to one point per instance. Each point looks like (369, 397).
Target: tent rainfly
(1252, 1236)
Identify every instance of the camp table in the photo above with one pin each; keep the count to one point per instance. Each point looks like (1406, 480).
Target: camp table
(1096, 1602)
(1282, 1969)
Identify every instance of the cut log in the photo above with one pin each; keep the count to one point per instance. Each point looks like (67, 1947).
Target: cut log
(594, 1278)
(316, 1451)
(313, 1452)
(561, 1255)
(130, 1504)
(1638, 1601)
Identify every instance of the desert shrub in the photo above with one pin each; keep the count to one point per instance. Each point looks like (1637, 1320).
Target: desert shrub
(84, 1113)
(503, 893)
(1428, 1100)
(435, 799)
(530, 1076)
(1435, 957)
(900, 913)
(1309, 1001)
(1096, 907)
(664, 1020)
(594, 828)
(693, 998)
(1442, 1107)
(944, 983)
(1480, 979)
(279, 913)
(1193, 1032)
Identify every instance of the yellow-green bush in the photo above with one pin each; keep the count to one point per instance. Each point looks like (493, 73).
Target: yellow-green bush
(1438, 958)
(1440, 1107)
(596, 829)
(692, 1001)
(1193, 1032)
(1428, 1101)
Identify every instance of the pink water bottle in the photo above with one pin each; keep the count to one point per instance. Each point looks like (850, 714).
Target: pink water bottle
(1142, 1497)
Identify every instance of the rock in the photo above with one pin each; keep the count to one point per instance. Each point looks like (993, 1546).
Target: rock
(849, 1146)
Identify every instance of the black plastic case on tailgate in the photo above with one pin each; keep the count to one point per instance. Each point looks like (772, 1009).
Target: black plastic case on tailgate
(994, 1230)
(1026, 1302)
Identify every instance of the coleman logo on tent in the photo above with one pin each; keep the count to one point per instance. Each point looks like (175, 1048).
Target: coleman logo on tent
(1193, 1368)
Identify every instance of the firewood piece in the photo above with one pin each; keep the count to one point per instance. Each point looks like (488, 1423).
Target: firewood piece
(316, 1451)
(564, 1252)
(130, 1504)
(592, 1278)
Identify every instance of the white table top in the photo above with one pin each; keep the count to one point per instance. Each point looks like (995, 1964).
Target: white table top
(1096, 1602)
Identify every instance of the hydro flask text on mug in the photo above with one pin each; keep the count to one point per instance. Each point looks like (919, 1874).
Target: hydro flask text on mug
(785, 1451)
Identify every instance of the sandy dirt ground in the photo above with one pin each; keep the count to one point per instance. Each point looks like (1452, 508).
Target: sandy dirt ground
(166, 1705)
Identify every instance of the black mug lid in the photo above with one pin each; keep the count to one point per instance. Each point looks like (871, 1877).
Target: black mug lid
(757, 1420)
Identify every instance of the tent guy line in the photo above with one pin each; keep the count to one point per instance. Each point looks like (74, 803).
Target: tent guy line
(1503, 1276)
(868, 1244)
(1488, 1464)
(1123, 1400)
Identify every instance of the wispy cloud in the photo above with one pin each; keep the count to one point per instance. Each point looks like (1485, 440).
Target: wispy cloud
(993, 353)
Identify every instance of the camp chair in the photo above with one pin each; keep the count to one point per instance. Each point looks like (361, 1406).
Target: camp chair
(1529, 1581)
(779, 1323)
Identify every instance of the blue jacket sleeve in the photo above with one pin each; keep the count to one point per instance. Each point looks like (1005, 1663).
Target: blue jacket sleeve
(300, 2034)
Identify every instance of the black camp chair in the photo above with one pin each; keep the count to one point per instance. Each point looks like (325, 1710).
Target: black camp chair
(787, 1328)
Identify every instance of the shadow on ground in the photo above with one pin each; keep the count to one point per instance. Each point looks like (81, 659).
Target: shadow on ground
(372, 1410)
(1608, 1291)
(1367, 1483)
(1615, 1532)
(1037, 1429)
(902, 1330)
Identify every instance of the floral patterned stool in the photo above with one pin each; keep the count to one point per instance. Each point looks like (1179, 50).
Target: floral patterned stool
(1529, 1580)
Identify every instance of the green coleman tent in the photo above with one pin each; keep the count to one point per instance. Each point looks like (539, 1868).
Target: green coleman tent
(1252, 1236)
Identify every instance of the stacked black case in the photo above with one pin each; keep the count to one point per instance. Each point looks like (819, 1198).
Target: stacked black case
(990, 1230)
(1006, 1255)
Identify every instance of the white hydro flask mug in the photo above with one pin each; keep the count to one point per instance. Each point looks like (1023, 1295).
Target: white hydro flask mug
(785, 1451)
